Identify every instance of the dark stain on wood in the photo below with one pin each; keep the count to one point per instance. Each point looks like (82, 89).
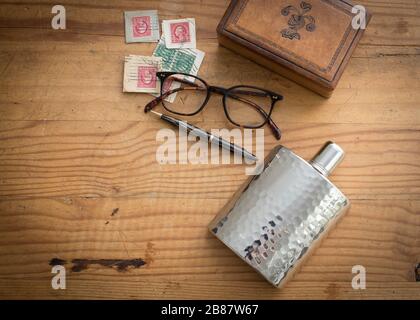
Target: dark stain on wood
(57, 262)
(417, 272)
(118, 264)
(115, 211)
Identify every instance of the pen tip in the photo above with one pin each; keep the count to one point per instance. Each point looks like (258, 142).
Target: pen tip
(156, 113)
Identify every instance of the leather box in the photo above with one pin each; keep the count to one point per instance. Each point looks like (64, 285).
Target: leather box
(309, 42)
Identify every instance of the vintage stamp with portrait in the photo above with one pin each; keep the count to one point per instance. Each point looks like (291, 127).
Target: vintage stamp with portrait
(140, 74)
(141, 26)
(179, 34)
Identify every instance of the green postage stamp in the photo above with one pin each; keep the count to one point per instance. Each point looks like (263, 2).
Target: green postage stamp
(178, 60)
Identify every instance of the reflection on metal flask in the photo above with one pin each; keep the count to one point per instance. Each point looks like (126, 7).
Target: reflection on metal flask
(279, 216)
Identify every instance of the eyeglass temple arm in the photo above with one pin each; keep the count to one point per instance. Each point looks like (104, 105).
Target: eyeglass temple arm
(274, 128)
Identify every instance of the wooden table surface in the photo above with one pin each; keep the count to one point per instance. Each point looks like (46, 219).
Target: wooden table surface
(79, 178)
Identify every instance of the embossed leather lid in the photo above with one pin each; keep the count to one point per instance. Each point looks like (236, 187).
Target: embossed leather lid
(312, 38)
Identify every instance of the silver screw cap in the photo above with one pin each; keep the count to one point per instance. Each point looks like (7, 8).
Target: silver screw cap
(328, 158)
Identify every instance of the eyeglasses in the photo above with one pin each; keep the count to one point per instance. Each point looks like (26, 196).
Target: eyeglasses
(244, 106)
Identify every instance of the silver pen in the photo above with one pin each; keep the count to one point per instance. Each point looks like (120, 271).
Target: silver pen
(204, 134)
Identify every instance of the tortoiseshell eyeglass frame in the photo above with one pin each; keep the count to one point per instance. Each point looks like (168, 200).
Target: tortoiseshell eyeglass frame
(226, 92)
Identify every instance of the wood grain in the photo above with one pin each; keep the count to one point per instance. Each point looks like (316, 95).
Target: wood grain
(73, 148)
(183, 258)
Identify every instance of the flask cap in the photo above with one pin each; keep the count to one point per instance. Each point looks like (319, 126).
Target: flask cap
(328, 158)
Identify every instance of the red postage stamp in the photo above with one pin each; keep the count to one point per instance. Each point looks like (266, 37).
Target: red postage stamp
(140, 74)
(141, 26)
(180, 32)
(146, 76)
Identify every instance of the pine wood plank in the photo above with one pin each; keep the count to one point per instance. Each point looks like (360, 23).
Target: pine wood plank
(118, 158)
(68, 83)
(183, 260)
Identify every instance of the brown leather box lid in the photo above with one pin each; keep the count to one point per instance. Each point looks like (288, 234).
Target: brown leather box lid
(313, 38)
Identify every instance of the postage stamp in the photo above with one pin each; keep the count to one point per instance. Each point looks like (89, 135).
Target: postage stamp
(181, 60)
(146, 76)
(141, 26)
(140, 74)
(179, 34)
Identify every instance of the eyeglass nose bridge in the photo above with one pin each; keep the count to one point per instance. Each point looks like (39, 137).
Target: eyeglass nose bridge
(218, 90)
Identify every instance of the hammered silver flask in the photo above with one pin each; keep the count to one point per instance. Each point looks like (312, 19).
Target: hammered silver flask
(278, 217)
